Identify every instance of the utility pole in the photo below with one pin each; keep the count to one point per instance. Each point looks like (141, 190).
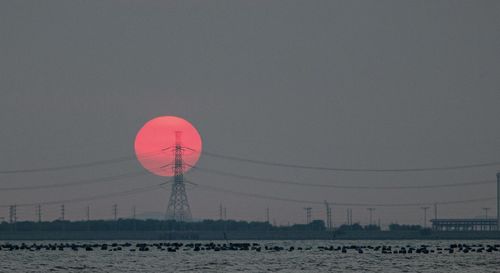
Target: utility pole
(12, 214)
(498, 200)
(133, 218)
(267, 215)
(349, 217)
(39, 212)
(371, 214)
(425, 215)
(88, 218)
(486, 212)
(221, 212)
(88, 213)
(115, 212)
(115, 216)
(435, 214)
(329, 225)
(308, 215)
(225, 213)
(62, 212)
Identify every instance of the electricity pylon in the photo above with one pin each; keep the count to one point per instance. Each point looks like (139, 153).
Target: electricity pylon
(178, 206)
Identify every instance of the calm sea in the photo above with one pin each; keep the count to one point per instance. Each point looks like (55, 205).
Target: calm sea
(309, 259)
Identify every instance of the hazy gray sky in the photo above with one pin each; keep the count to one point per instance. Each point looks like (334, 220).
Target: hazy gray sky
(368, 84)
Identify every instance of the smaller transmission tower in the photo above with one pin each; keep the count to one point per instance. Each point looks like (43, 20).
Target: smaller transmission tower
(486, 212)
(329, 224)
(349, 217)
(498, 200)
(12, 214)
(39, 212)
(88, 213)
(115, 212)
(435, 210)
(63, 212)
(178, 206)
(371, 215)
(425, 215)
(308, 215)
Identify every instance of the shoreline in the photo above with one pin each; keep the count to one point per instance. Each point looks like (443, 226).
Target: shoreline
(245, 235)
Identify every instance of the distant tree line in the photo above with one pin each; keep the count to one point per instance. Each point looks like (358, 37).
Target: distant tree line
(205, 225)
(419, 228)
(156, 225)
(358, 227)
(397, 227)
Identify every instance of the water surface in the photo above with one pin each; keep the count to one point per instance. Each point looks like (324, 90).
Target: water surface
(310, 259)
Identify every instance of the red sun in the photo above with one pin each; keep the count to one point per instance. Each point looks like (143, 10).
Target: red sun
(155, 144)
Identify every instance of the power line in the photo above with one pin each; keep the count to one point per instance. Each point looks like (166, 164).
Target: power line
(253, 161)
(94, 197)
(340, 169)
(84, 182)
(269, 197)
(77, 165)
(77, 182)
(278, 181)
(67, 167)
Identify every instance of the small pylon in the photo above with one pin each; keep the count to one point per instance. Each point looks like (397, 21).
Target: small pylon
(308, 215)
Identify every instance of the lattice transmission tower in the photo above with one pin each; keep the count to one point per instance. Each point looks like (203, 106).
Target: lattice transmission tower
(178, 205)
